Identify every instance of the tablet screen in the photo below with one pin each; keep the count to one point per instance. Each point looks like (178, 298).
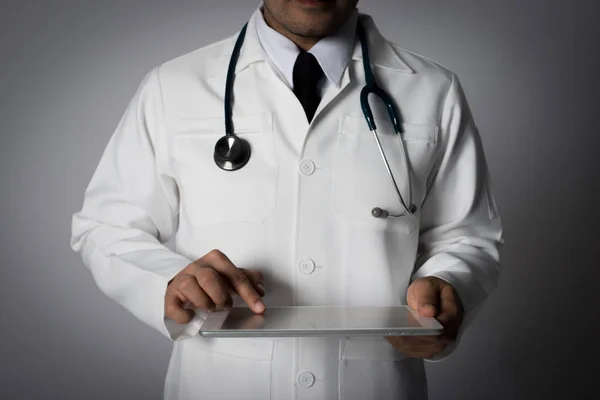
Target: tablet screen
(319, 319)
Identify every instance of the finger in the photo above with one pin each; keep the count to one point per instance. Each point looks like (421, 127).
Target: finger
(404, 342)
(256, 278)
(238, 280)
(425, 296)
(450, 312)
(407, 341)
(423, 340)
(425, 351)
(189, 287)
(419, 350)
(229, 293)
(214, 285)
(449, 306)
(175, 311)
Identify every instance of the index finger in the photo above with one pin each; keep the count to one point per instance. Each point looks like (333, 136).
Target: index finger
(238, 280)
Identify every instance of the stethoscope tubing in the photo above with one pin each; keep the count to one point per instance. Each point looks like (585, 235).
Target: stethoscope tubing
(407, 209)
(232, 152)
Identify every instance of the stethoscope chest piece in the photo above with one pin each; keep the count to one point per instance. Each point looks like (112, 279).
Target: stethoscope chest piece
(231, 153)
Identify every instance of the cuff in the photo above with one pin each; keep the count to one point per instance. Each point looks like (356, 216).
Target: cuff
(142, 291)
(177, 332)
(167, 326)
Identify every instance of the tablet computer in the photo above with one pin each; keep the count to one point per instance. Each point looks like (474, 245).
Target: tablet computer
(319, 321)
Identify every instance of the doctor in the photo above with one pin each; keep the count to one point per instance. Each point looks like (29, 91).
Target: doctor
(294, 225)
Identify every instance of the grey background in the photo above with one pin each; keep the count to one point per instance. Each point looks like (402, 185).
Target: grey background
(530, 70)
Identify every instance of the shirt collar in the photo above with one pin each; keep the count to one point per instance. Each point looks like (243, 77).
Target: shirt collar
(383, 54)
(333, 52)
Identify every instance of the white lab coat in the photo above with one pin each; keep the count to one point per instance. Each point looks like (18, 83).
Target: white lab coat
(299, 212)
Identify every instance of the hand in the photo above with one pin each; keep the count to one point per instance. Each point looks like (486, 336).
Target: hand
(431, 297)
(208, 284)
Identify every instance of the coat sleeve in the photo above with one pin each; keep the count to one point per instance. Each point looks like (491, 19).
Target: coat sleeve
(461, 231)
(129, 212)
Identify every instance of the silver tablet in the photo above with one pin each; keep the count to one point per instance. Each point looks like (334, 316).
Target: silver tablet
(319, 321)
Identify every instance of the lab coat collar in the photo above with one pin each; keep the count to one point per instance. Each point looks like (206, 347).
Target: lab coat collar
(381, 51)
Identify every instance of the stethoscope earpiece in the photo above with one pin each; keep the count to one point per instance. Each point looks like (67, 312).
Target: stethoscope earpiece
(231, 153)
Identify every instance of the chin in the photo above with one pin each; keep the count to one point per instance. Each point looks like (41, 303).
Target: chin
(310, 30)
(313, 25)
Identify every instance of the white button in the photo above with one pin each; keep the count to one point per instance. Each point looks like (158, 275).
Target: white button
(307, 167)
(306, 379)
(307, 266)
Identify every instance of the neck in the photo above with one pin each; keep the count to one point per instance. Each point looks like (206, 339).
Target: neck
(305, 43)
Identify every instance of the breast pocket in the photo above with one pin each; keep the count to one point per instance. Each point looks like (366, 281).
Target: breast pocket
(362, 182)
(210, 195)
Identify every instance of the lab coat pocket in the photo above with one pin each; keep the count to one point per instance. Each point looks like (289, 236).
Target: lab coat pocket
(362, 181)
(370, 368)
(212, 196)
(226, 368)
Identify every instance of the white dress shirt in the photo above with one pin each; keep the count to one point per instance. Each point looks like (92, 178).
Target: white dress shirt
(333, 52)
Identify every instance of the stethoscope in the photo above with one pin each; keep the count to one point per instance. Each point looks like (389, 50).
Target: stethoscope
(233, 153)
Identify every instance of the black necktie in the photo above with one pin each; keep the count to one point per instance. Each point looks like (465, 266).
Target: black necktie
(307, 73)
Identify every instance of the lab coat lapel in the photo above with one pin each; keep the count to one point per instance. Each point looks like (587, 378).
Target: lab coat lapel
(333, 91)
(381, 54)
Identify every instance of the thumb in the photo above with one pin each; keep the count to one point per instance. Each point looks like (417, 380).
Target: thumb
(424, 296)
